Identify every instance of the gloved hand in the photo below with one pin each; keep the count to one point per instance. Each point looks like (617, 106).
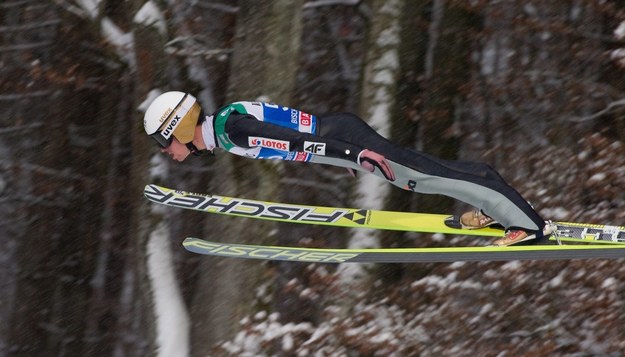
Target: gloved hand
(371, 159)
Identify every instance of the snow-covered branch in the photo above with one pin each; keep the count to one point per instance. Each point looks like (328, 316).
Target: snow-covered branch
(218, 7)
(25, 46)
(30, 26)
(611, 106)
(81, 8)
(151, 15)
(218, 53)
(21, 96)
(363, 9)
(320, 3)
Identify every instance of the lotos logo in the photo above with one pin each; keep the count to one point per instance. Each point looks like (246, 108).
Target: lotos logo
(268, 143)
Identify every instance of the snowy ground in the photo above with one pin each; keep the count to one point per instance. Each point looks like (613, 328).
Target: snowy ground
(530, 308)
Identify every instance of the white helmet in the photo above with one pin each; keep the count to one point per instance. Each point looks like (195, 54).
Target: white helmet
(172, 114)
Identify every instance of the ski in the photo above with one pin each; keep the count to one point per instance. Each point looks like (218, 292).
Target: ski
(404, 255)
(363, 218)
(308, 214)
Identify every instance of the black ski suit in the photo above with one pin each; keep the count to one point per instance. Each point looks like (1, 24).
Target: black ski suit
(267, 131)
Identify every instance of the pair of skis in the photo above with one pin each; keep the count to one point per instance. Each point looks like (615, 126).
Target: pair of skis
(594, 241)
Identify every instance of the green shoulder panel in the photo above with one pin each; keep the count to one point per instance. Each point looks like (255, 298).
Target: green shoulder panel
(220, 123)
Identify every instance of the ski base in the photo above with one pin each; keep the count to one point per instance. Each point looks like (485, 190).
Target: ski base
(404, 255)
(364, 218)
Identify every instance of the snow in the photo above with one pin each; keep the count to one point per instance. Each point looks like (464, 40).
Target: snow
(512, 265)
(609, 283)
(385, 69)
(389, 36)
(557, 281)
(556, 213)
(598, 177)
(114, 34)
(90, 7)
(159, 167)
(123, 42)
(151, 15)
(172, 319)
(618, 55)
(619, 33)
(261, 315)
(267, 328)
(377, 325)
(438, 237)
(447, 282)
(152, 94)
(287, 342)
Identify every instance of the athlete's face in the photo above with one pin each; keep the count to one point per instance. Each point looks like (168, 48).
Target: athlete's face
(177, 150)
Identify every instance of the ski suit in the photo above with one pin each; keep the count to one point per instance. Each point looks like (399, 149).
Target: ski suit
(267, 131)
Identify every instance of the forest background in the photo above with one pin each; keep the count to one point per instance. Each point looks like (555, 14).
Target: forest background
(89, 268)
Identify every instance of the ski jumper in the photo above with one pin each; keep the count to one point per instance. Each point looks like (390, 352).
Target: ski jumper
(267, 131)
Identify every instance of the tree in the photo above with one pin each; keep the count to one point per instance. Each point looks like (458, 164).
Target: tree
(378, 100)
(263, 66)
(60, 276)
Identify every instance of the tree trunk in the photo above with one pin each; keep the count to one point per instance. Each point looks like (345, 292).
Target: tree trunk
(61, 304)
(266, 51)
(378, 102)
(263, 66)
(445, 72)
(149, 270)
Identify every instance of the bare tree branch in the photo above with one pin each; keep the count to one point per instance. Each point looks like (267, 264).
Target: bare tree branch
(18, 96)
(26, 46)
(30, 26)
(13, 130)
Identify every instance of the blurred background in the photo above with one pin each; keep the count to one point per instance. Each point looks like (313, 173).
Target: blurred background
(89, 268)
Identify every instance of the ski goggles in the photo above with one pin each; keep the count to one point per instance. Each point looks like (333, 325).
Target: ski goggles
(162, 141)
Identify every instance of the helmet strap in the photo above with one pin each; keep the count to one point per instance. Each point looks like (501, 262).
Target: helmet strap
(194, 150)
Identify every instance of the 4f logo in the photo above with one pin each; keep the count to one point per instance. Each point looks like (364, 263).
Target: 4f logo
(315, 148)
(411, 185)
